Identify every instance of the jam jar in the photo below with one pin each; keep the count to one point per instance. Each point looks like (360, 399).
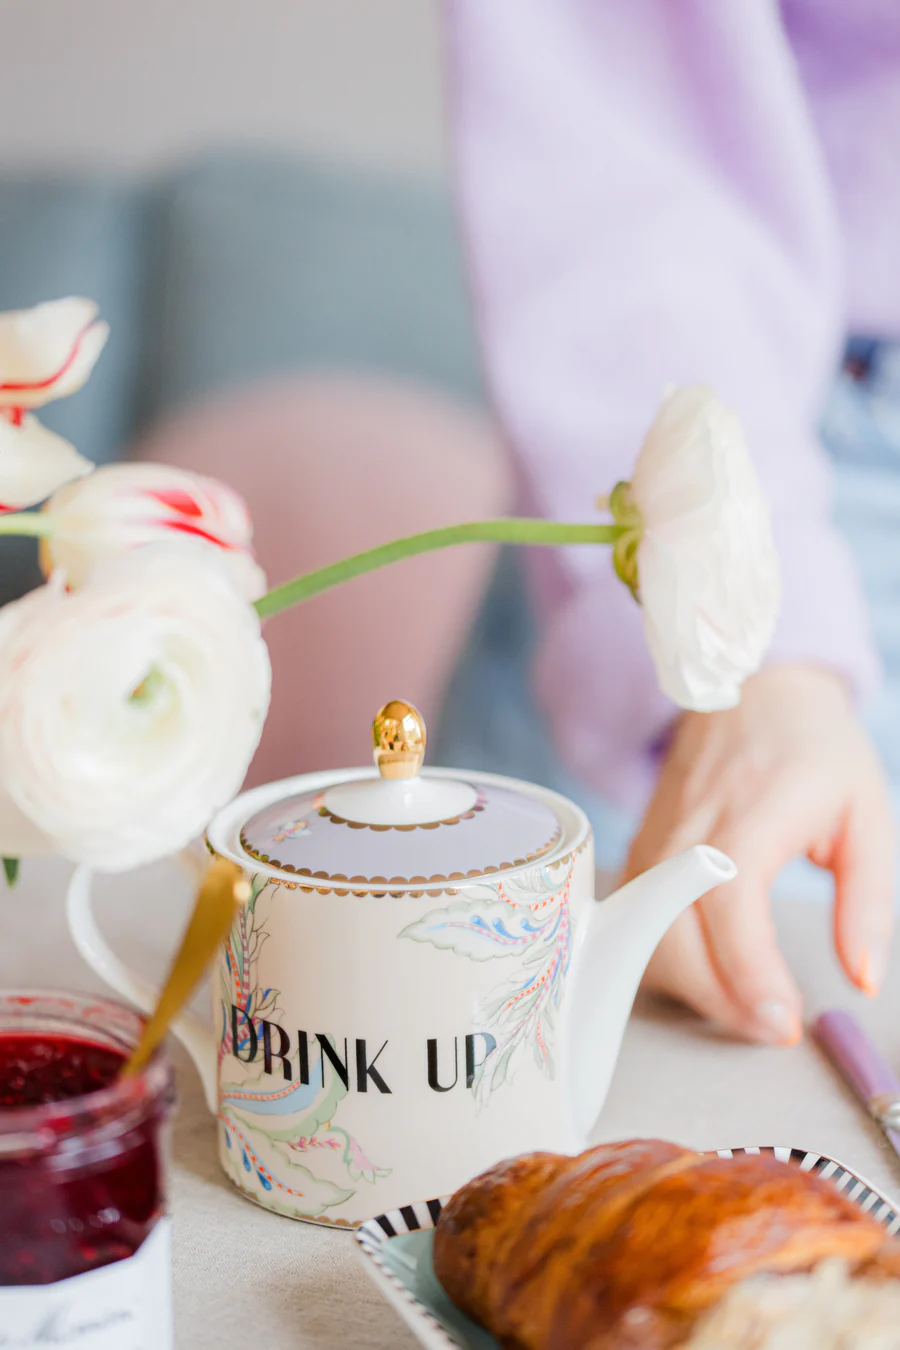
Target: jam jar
(85, 1249)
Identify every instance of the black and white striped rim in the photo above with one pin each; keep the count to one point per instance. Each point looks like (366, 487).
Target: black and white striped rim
(374, 1233)
(860, 1192)
(424, 1214)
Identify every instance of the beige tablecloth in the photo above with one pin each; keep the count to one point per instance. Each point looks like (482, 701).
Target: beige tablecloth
(246, 1276)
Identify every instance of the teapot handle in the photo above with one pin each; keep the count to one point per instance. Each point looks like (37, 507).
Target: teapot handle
(194, 1035)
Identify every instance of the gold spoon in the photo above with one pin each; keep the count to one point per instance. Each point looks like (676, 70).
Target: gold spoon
(224, 888)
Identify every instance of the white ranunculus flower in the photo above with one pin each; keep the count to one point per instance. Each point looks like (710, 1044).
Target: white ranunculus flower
(45, 353)
(699, 553)
(129, 709)
(125, 506)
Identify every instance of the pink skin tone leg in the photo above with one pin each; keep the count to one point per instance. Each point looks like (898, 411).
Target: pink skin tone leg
(330, 466)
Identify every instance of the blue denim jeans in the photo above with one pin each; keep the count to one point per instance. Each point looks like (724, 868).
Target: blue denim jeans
(861, 429)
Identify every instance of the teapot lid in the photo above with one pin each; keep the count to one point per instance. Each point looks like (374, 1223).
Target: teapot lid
(399, 826)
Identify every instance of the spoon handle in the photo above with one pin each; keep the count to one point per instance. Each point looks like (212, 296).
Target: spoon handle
(223, 889)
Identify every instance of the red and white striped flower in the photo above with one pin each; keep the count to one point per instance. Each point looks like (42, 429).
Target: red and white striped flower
(45, 353)
(127, 506)
(33, 463)
(48, 352)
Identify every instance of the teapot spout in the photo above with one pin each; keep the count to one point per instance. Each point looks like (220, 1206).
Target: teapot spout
(619, 936)
(643, 910)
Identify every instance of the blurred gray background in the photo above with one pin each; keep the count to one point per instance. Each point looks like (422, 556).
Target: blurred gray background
(136, 83)
(250, 189)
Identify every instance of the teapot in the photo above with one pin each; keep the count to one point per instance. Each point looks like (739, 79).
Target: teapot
(421, 984)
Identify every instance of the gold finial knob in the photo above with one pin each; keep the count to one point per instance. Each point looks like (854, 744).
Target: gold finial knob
(398, 735)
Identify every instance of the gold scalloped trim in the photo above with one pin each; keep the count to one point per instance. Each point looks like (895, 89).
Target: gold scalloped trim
(564, 860)
(480, 805)
(424, 882)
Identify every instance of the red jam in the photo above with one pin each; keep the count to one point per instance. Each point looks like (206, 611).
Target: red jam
(37, 1069)
(81, 1160)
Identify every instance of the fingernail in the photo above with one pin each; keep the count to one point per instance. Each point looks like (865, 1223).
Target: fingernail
(780, 1025)
(872, 970)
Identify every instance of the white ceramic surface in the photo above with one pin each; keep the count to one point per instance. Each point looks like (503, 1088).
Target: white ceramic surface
(402, 1270)
(384, 1035)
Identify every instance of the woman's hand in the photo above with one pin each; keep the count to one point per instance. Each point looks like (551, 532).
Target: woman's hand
(788, 772)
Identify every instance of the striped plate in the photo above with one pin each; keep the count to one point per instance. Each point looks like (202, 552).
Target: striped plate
(395, 1250)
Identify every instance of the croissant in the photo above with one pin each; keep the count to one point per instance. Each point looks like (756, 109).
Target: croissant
(644, 1245)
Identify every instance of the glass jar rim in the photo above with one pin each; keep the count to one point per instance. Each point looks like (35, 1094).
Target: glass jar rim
(46, 1127)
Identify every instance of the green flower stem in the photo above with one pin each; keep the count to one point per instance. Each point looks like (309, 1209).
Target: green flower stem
(477, 531)
(35, 523)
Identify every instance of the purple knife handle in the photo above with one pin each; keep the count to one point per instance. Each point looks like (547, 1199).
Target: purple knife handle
(849, 1048)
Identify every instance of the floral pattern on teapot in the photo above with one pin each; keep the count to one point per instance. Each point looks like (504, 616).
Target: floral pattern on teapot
(292, 1188)
(525, 916)
(274, 1131)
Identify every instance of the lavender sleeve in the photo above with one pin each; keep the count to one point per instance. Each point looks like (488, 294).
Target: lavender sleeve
(643, 200)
